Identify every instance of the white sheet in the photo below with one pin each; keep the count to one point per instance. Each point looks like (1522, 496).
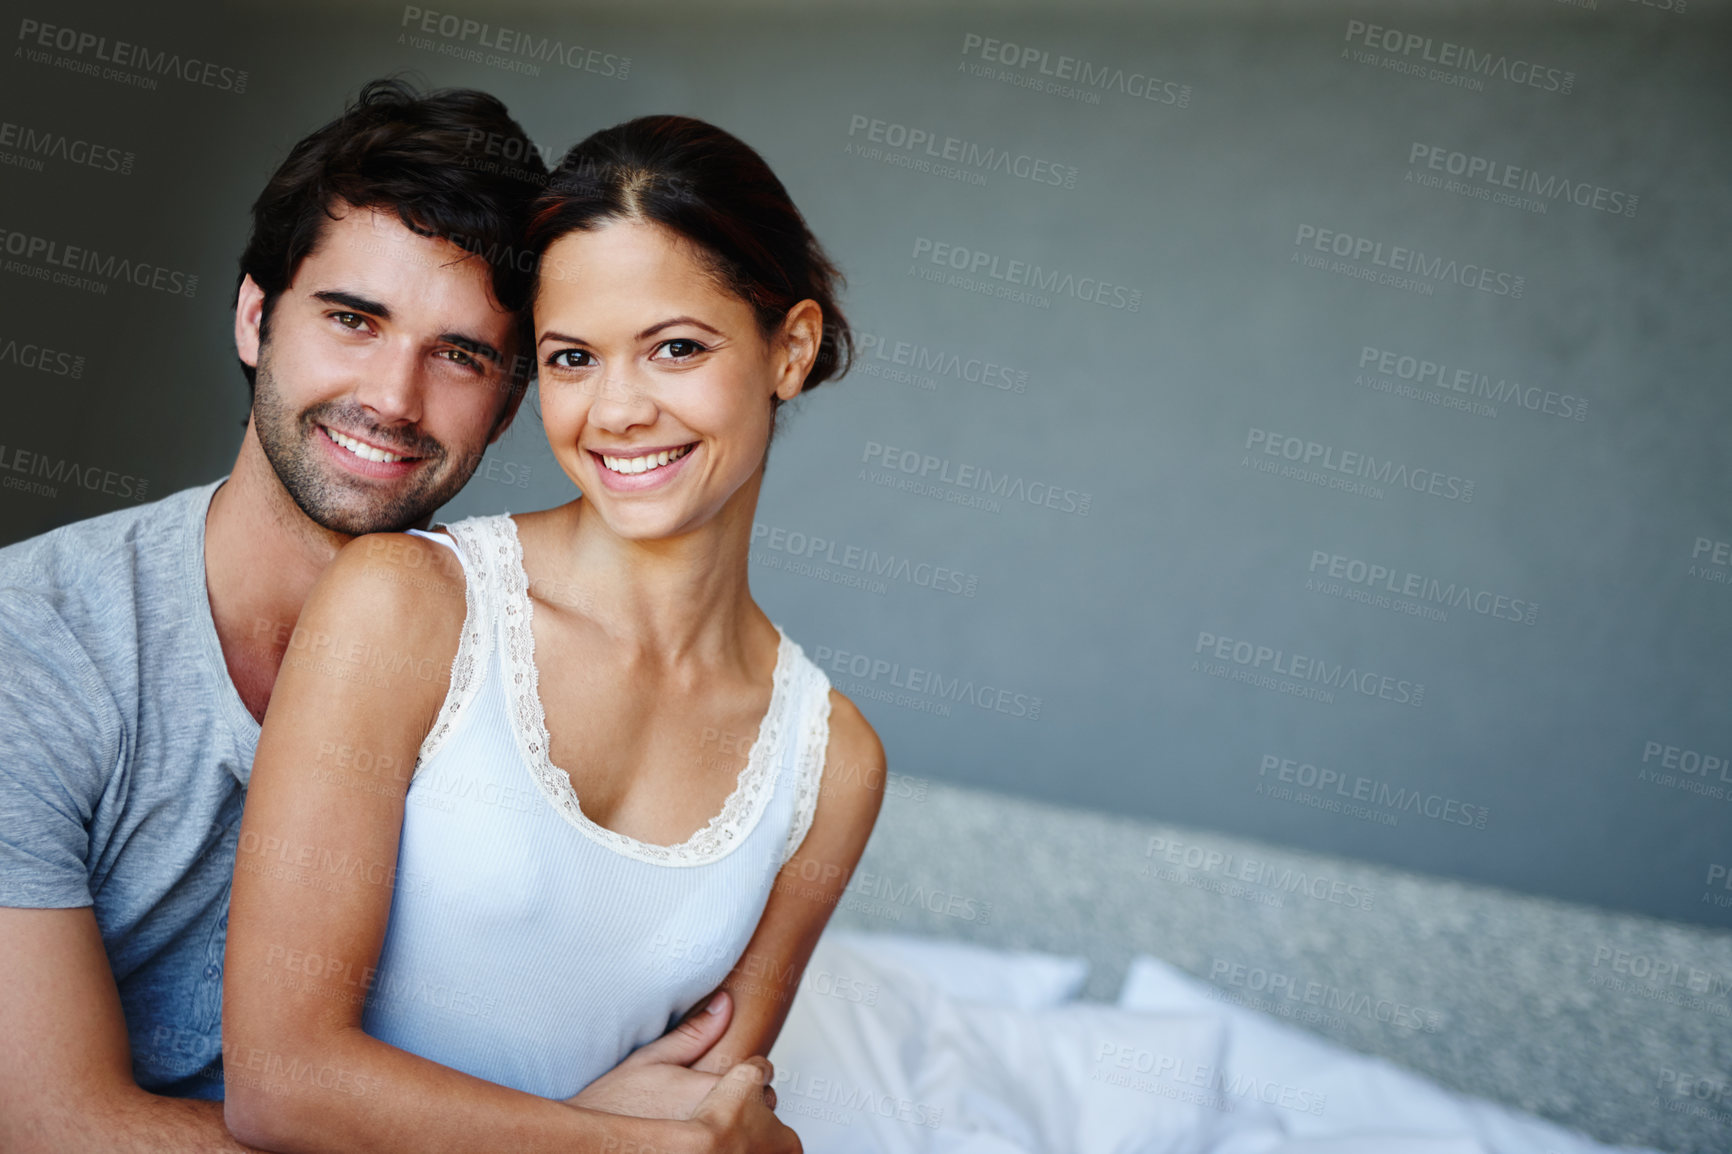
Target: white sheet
(962, 1050)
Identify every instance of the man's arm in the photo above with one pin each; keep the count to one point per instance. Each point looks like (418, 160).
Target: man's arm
(65, 1063)
(66, 1081)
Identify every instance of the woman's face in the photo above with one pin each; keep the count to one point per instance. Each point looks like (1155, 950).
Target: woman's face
(655, 381)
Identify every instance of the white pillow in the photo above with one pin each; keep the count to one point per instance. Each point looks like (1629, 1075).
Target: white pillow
(1364, 1096)
(877, 1058)
(1077, 1077)
(847, 1054)
(1027, 979)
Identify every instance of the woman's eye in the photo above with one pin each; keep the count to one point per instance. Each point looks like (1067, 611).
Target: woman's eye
(680, 348)
(569, 359)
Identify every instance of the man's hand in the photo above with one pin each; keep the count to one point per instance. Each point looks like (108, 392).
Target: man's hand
(738, 1118)
(655, 1080)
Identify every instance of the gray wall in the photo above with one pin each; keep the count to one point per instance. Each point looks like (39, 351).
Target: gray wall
(1185, 638)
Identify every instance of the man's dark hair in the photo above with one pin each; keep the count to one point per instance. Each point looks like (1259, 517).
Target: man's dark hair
(438, 160)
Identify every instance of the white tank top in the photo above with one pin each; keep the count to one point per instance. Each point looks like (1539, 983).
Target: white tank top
(528, 945)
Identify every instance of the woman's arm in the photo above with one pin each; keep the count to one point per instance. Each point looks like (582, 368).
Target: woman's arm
(358, 692)
(764, 981)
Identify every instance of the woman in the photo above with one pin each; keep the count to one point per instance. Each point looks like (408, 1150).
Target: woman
(615, 803)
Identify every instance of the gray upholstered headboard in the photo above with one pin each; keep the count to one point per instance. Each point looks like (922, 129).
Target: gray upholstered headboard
(1615, 1024)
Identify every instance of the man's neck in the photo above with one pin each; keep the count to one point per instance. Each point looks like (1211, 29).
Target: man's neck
(261, 558)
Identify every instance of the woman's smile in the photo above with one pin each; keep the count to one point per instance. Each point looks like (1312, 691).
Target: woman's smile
(641, 470)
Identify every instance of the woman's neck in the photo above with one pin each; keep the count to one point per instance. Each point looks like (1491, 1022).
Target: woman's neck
(679, 598)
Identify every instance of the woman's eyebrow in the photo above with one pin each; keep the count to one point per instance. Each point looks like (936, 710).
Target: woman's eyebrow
(654, 329)
(649, 332)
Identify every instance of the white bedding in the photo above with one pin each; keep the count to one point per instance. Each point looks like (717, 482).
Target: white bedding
(903, 1045)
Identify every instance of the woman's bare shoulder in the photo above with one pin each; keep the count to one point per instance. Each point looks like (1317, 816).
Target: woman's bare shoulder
(388, 602)
(854, 771)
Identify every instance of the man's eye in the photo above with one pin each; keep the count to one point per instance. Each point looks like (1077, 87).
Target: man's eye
(567, 359)
(350, 320)
(681, 348)
(462, 358)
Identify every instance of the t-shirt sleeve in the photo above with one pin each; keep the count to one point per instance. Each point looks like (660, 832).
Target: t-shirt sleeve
(60, 739)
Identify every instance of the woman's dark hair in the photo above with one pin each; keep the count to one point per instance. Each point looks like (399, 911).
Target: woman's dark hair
(436, 160)
(714, 190)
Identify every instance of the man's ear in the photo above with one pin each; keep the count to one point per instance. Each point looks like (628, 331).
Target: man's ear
(249, 313)
(802, 329)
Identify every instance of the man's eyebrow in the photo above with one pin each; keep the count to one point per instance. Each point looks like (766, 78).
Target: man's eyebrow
(355, 303)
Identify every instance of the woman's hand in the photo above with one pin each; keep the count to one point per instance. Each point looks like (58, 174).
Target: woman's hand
(655, 1080)
(736, 1114)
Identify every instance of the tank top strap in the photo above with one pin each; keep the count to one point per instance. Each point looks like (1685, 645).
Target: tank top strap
(811, 732)
(475, 642)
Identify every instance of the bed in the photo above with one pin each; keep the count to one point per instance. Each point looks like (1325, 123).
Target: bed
(1004, 976)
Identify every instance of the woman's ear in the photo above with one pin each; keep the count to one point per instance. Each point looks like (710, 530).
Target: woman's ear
(802, 330)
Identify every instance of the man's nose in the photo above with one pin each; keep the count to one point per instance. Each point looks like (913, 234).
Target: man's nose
(392, 384)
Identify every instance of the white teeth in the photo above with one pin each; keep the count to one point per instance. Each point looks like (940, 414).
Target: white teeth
(643, 464)
(365, 452)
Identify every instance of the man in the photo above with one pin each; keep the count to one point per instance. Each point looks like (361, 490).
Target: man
(382, 322)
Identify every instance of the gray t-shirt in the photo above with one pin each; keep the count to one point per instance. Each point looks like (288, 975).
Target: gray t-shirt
(124, 755)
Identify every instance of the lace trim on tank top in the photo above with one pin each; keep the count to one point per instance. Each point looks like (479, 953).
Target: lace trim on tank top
(814, 741)
(745, 805)
(472, 646)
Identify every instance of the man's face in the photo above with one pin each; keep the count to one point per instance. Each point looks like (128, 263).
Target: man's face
(383, 377)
